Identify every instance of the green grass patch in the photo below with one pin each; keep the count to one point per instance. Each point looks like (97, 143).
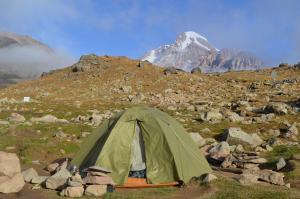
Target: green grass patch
(148, 193)
(228, 188)
(282, 151)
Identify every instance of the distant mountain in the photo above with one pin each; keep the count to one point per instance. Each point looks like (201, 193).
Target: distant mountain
(8, 39)
(192, 50)
(22, 57)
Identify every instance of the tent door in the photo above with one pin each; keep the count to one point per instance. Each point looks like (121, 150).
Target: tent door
(138, 158)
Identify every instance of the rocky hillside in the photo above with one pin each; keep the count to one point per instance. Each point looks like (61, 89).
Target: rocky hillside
(192, 50)
(246, 123)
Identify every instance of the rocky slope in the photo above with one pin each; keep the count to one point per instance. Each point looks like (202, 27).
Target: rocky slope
(192, 50)
(247, 121)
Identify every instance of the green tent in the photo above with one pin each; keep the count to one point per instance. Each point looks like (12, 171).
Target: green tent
(164, 147)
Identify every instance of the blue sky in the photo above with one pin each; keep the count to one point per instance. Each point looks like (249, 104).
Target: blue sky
(268, 28)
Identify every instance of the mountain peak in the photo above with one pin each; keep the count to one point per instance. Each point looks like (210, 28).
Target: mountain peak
(188, 38)
(192, 50)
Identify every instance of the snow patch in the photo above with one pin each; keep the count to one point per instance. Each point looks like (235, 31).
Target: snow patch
(191, 37)
(151, 57)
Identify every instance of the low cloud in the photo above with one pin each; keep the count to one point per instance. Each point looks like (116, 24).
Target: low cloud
(30, 61)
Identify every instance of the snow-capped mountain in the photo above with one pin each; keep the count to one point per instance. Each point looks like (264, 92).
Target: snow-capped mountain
(192, 50)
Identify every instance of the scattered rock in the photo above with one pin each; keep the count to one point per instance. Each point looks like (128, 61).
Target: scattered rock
(52, 167)
(267, 176)
(6, 123)
(39, 179)
(235, 136)
(277, 108)
(9, 164)
(220, 151)
(72, 192)
(12, 184)
(75, 181)
(198, 139)
(95, 190)
(213, 115)
(248, 179)
(209, 178)
(29, 174)
(280, 164)
(196, 70)
(48, 119)
(17, 118)
(59, 180)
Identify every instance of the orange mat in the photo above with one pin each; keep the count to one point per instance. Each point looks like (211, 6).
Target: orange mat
(142, 183)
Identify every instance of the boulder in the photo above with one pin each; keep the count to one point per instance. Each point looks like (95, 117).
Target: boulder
(209, 178)
(98, 180)
(17, 118)
(198, 139)
(267, 176)
(4, 123)
(220, 151)
(96, 119)
(291, 131)
(277, 108)
(171, 70)
(59, 180)
(48, 119)
(75, 181)
(95, 190)
(235, 136)
(196, 70)
(212, 115)
(280, 164)
(39, 179)
(52, 167)
(29, 174)
(12, 184)
(72, 192)
(9, 164)
(248, 179)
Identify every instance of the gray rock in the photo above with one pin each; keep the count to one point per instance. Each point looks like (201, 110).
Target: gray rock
(39, 179)
(11, 184)
(59, 180)
(267, 176)
(292, 131)
(29, 174)
(95, 190)
(17, 118)
(280, 164)
(209, 178)
(52, 167)
(277, 108)
(72, 192)
(197, 138)
(60, 135)
(48, 119)
(96, 119)
(220, 151)
(4, 123)
(9, 164)
(212, 115)
(235, 136)
(75, 181)
(248, 179)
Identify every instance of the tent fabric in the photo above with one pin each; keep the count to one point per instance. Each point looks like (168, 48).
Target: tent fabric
(170, 154)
